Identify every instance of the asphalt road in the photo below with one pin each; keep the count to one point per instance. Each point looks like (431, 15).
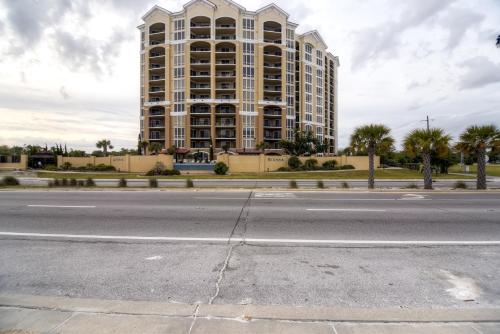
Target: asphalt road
(229, 247)
(249, 183)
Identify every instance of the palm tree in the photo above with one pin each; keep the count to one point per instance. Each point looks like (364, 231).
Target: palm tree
(424, 143)
(476, 140)
(375, 139)
(104, 144)
(143, 145)
(155, 148)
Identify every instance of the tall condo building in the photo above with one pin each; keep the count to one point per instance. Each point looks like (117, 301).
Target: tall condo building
(217, 74)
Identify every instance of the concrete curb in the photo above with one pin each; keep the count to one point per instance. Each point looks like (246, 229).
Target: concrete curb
(262, 312)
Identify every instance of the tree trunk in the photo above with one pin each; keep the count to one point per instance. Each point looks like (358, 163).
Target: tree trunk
(426, 157)
(481, 169)
(371, 169)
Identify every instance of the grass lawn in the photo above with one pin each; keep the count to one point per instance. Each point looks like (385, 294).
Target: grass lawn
(316, 175)
(491, 170)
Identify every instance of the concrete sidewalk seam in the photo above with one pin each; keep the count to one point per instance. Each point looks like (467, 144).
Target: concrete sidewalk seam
(241, 315)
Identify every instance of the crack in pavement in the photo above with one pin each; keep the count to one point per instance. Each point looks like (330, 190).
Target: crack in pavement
(228, 256)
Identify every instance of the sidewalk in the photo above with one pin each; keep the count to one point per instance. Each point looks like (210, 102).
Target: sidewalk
(37, 314)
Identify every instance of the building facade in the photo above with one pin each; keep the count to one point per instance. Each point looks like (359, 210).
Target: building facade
(215, 74)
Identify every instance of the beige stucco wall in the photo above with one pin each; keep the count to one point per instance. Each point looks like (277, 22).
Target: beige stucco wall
(269, 163)
(22, 165)
(125, 163)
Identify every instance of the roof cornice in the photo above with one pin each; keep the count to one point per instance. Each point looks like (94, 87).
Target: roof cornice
(153, 9)
(273, 5)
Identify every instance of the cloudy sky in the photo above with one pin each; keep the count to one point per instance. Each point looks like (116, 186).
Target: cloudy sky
(69, 70)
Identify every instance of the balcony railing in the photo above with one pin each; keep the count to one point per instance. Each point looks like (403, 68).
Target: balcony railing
(226, 74)
(200, 50)
(225, 26)
(200, 111)
(156, 125)
(272, 65)
(200, 36)
(225, 50)
(225, 37)
(226, 62)
(156, 78)
(230, 87)
(200, 86)
(156, 54)
(268, 29)
(200, 61)
(152, 32)
(200, 74)
(156, 42)
(272, 124)
(268, 53)
(274, 41)
(272, 77)
(272, 88)
(200, 25)
(199, 97)
(200, 123)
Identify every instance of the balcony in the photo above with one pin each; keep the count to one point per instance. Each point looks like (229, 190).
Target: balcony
(200, 62)
(200, 96)
(200, 49)
(156, 42)
(200, 36)
(272, 54)
(226, 26)
(272, 77)
(272, 65)
(156, 55)
(226, 62)
(225, 74)
(200, 86)
(156, 67)
(226, 86)
(271, 124)
(274, 41)
(157, 90)
(272, 113)
(197, 110)
(156, 125)
(156, 102)
(272, 89)
(156, 78)
(225, 125)
(272, 102)
(202, 122)
(200, 24)
(200, 74)
(225, 50)
(225, 37)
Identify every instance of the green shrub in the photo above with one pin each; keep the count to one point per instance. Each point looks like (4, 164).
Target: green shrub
(66, 165)
(220, 168)
(283, 169)
(81, 183)
(89, 167)
(104, 168)
(57, 183)
(344, 185)
(122, 183)
(460, 185)
(412, 186)
(81, 168)
(73, 183)
(310, 164)
(89, 182)
(320, 184)
(153, 183)
(168, 172)
(50, 184)
(64, 182)
(293, 184)
(347, 167)
(10, 181)
(189, 183)
(329, 164)
(294, 162)
(50, 167)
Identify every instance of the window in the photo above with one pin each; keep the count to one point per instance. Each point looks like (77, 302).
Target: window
(248, 28)
(319, 58)
(308, 53)
(179, 33)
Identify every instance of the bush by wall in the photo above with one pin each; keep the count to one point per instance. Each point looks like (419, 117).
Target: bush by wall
(347, 167)
(310, 164)
(122, 183)
(320, 184)
(293, 184)
(89, 182)
(294, 162)
(330, 164)
(189, 183)
(10, 181)
(220, 168)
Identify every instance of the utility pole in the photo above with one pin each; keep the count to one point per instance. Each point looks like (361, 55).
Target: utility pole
(428, 121)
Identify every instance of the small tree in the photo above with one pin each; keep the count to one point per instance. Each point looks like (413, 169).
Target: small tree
(476, 140)
(424, 143)
(304, 143)
(104, 144)
(143, 145)
(155, 148)
(373, 139)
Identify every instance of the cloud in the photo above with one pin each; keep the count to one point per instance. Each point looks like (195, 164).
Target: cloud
(384, 40)
(480, 71)
(84, 53)
(458, 21)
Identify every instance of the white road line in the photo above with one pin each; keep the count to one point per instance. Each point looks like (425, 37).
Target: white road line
(258, 240)
(59, 206)
(350, 210)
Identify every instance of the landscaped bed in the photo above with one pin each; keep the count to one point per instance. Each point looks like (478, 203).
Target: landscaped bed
(315, 175)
